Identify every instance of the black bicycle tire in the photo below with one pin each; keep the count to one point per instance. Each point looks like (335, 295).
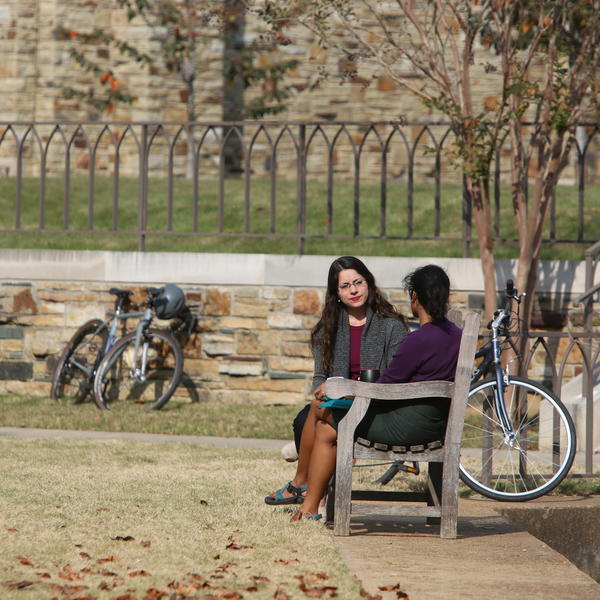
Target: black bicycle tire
(91, 326)
(565, 465)
(120, 347)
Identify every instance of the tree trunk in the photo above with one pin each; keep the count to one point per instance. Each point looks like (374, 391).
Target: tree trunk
(486, 243)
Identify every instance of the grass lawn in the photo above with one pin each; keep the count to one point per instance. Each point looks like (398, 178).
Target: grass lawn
(178, 418)
(101, 225)
(133, 520)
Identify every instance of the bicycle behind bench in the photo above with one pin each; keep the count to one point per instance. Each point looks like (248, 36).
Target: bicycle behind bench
(518, 439)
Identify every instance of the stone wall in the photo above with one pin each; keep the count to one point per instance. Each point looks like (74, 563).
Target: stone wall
(254, 312)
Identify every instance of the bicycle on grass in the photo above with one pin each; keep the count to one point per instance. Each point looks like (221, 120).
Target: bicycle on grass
(518, 438)
(73, 377)
(154, 356)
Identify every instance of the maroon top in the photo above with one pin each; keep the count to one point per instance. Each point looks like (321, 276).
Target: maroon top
(427, 354)
(355, 338)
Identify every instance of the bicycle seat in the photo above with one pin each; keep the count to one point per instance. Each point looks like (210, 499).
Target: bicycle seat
(120, 293)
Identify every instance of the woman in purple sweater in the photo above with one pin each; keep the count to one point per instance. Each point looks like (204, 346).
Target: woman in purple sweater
(427, 354)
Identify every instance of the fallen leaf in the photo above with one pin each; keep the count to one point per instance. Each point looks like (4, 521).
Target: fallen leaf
(281, 595)
(107, 573)
(67, 590)
(260, 579)
(107, 559)
(140, 573)
(145, 543)
(393, 588)
(282, 561)
(24, 561)
(105, 585)
(84, 555)
(236, 546)
(125, 597)
(44, 575)
(17, 585)
(123, 538)
(227, 593)
(153, 593)
(12, 530)
(317, 592)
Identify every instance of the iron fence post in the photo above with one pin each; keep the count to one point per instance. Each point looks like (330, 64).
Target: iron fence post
(143, 189)
(301, 189)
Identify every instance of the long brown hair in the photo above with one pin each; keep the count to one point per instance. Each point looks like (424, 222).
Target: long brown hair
(324, 333)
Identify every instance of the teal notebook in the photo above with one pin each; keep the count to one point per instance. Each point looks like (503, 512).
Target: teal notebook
(343, 403)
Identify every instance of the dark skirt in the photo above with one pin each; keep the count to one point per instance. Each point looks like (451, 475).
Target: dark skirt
(405, 423)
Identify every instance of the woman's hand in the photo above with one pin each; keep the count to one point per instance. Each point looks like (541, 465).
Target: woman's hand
(320, 392)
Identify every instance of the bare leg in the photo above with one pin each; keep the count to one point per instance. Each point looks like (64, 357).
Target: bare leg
(321, 468)
(306, 444)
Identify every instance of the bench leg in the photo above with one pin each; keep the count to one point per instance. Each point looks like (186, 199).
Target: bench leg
(435, 470)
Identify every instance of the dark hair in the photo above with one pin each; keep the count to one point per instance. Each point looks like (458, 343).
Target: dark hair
(325, 331)
(432, 287)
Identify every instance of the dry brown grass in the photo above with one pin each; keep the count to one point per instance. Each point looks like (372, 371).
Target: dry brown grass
(110, 519)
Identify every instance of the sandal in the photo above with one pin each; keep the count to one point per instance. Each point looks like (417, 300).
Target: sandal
(297, 496)
(300, 515)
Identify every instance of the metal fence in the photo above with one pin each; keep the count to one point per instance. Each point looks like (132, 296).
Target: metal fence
(580, 346)
(298, 181)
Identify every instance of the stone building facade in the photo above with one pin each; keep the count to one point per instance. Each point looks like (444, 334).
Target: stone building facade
(35, 68)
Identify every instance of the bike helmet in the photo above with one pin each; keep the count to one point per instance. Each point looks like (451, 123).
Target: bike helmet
(169, 301)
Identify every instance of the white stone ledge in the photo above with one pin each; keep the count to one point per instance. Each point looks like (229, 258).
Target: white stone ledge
(258, 269)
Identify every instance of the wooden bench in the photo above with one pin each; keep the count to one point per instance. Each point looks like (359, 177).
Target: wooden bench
(443, 459)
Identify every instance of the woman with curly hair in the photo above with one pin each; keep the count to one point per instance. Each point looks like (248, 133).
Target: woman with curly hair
(358, 329)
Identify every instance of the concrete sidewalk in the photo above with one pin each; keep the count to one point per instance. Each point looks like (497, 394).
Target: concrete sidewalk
(493, 559)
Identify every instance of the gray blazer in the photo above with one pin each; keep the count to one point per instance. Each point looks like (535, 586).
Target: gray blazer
(379, 339)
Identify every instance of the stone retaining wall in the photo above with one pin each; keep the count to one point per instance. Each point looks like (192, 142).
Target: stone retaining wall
(254, 312)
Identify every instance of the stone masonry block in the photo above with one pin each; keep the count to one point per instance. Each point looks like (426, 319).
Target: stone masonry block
(40, 342)
(250, 307)
(258, 342)
(76, 315)
(277, 293)
(23, 302)
(295, 349)
(219, 345)
(307, 302)
(243, 323)
(291, 365)
(202, 369)
(261, 383)
(217, 302)
(285, 321)
(241, 368)
(16, 370)
(11, 333)
(302, 335)
(52, 308)
(11, 348)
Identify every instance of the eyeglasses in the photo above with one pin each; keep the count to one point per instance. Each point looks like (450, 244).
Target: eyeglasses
(355, 283)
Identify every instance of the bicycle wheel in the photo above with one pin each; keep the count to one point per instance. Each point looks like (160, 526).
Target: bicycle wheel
(73, 376)
(152, 384)
(531, 464)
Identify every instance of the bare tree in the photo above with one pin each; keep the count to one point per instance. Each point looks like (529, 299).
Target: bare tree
(541, 57)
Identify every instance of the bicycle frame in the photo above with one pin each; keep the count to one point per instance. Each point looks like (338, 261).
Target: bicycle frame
(139, 373)
(492, 355)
